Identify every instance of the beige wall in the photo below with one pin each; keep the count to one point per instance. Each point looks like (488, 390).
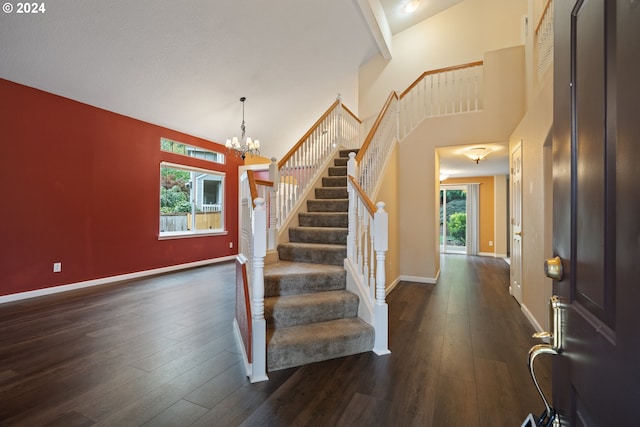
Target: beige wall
(501, 228)
(458, 35)
(533, 132)
(388, 193)
(486, 211)
(418, 178)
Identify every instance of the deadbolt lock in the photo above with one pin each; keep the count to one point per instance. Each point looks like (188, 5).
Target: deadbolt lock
(553, 268)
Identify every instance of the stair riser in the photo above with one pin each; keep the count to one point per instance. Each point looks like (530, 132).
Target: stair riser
(323, 220)
(313, 255)
(331, 193)
(345, 153)
(334, 181)
(284, 317)
(328, 236)
(294, 284)
(328, 205)
(337, 171)
(302, 352)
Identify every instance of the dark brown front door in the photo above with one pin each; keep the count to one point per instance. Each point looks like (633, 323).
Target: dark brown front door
(597, 210)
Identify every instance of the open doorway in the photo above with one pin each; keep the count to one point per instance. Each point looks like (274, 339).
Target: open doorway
(453, 219)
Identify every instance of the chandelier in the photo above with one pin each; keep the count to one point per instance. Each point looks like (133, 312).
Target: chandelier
(243, 145)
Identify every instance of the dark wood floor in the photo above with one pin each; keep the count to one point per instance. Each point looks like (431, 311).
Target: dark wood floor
(161, 352)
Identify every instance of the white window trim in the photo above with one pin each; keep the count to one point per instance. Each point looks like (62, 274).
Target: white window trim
(168, 235)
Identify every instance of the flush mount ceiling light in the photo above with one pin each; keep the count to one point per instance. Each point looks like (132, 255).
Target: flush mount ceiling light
(411, 6)
(243, 146)
(477, 153)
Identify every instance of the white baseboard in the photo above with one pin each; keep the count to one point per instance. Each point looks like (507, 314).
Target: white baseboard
(112, 279)
(491, 254)
(531, 319)
(418, 279)
(392, 286)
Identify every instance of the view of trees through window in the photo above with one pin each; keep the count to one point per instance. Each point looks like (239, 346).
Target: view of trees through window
(453, 227)
(190, 200)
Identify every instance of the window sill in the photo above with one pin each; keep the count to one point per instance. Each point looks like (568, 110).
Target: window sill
(185, 235)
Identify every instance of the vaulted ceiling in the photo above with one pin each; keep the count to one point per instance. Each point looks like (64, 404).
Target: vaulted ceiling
(184, 65)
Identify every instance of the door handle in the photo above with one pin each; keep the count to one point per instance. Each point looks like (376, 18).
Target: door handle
(518, 233)
(548, 417)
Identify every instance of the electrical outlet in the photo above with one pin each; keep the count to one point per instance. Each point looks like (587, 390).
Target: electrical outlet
(57, 267)
(490, 242)
(231, 245)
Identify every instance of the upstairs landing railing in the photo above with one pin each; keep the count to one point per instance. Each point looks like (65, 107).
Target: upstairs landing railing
(445, 91)
(543, 40)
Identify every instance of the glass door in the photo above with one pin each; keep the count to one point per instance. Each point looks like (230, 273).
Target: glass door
(453, 219)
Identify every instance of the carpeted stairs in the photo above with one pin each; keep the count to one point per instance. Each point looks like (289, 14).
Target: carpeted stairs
(310, 315)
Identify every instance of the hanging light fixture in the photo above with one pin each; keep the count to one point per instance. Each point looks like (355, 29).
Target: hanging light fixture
(243, 146)
(477, 153)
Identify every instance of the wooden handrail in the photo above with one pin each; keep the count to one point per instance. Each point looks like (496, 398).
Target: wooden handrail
(287, 156)
(544, 12)
(253, 188)
(367, 201)
(264, 183)
(439, 70)
(356, 118)
(374, 128)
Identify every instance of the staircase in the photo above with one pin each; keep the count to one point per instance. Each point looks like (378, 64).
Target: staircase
(310, 315)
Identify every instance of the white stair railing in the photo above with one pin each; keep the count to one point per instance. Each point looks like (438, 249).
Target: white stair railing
(367, 244)
(253, 247)
(300, 167)
(445, 91)
(377, 145)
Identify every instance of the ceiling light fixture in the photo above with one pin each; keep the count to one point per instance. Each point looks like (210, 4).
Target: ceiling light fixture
(477, 153)
(243, 146)
(411, 6)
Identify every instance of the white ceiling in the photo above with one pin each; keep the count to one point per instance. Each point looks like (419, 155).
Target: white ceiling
(399, 21)
(185, 65)
(455, 164)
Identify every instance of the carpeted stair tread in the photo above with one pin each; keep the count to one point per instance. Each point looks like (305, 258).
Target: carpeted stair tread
(324, 219)
(313, 252)
(291, 278)
(331, 235)
(300, 345)
(295, 310)
(328, 205)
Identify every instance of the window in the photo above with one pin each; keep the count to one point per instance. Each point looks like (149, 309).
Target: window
(190, 151)
(191, 201)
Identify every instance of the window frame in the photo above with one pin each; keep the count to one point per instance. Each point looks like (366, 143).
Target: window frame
(166, 235)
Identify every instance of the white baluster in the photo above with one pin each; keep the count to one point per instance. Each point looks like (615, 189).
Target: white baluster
(259, 326)
(381, 310)
(273, 204)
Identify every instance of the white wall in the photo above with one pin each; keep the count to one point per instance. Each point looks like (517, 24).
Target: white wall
(459, 35)
(533, 131)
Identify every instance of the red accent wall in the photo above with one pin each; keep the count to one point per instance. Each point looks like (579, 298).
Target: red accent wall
(80, 186)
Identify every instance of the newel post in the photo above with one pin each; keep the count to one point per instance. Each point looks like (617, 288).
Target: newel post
(352, 170)
(274, 176)
(381, 310)
(259, 325)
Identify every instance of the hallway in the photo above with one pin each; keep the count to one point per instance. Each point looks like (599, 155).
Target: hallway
(161, 351)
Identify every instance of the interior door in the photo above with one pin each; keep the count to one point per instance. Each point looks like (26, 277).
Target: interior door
(596, 223)
(516, 224)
